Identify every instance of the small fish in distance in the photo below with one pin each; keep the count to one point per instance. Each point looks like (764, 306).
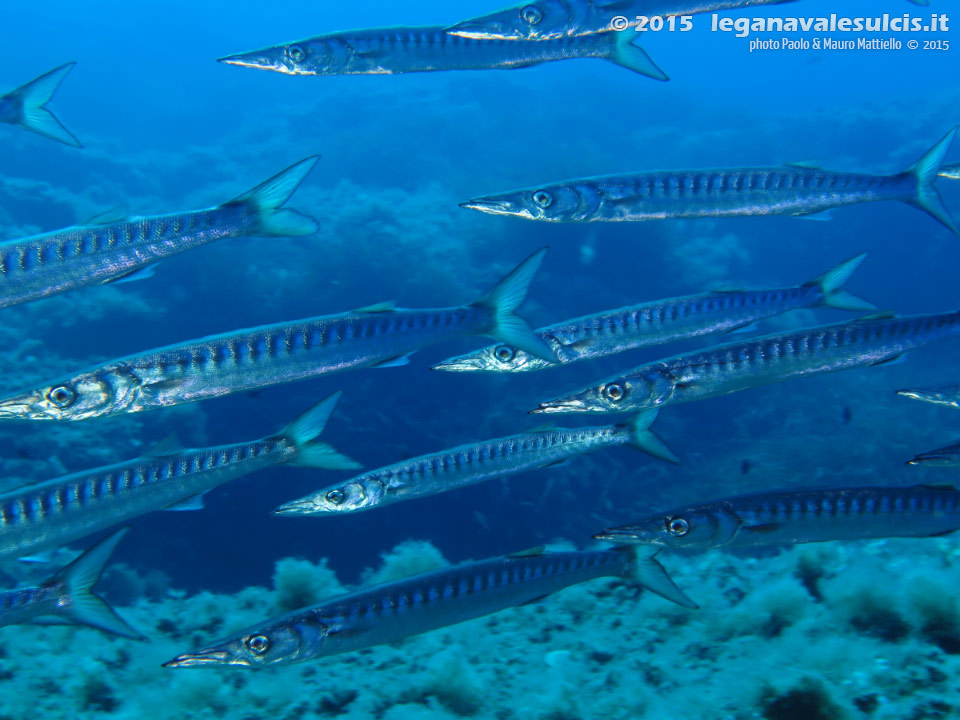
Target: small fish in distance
(393, 611)
(377, 336)
(664, 321)
(25, 107)
(68, 596)
(759, 361)
(40, 266)
(789, 517)
(396, 50)
(796, 190)
(948, 395)
(471, 464)
(48, 514)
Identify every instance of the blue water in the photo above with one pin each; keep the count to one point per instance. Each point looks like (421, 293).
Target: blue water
(166, 128)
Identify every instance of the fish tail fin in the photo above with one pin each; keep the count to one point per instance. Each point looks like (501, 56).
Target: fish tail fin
(268, 197)
(633, 57)
(926, 170)
(831, 284)
(645, 440)
(31, 99)
(502, 301)
(78, 579)
(303, 433)
(644, 570)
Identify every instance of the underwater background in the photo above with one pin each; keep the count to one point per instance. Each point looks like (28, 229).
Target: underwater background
(166, 128)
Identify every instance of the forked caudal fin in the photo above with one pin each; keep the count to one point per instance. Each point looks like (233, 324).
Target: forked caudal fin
(926, 171)
(77, 580)
(633, 57)
(505, 298)
(831, 284)
(646, 571)
(268, 197)
(303, 433)
(644, 439)
(30, 100)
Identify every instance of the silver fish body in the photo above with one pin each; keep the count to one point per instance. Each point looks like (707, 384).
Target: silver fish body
(397, 50)
(393, 611)
(664, 321)
(948, 395)
(272, 354)
(948, 456)
(68, 595)
(552, 19)
(800, 516)
(759, 191)
(471, 464)
(52, 263)
(25, 106)
(759, 361)
(54, 512)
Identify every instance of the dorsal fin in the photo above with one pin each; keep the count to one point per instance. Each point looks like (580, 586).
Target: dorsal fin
(943, 487)
(529, 552)
(805, 164)
(170, 445)
(108, 217)
(882, 315)
(380, 307)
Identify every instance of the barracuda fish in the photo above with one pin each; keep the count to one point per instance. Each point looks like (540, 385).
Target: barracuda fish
(471, 464)
(376, 336)
(796, 190)
(664, 321)
(800, 516)
(759, 361)
(946, 395)
(394, 611)
(26, 107)
(948, 456)
(68, 596)
(51, 513)
(553, 19)
(56, 262)
(395, 50)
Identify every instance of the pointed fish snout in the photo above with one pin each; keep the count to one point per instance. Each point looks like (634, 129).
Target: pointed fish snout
(617, 536)
(487, 205)
(204, 657)
(559, 406)
(296, 507)
(459, 364)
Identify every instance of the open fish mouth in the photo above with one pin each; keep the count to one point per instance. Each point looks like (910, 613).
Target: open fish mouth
(204, 657)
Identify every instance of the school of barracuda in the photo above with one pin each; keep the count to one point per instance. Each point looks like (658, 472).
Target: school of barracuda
(60, 510)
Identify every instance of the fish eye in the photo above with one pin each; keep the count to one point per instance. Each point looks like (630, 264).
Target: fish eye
(258, 644)
(613, 392)
(531, 14)
(505, 353)
(543, 198)
(335, 497)
(678, 527)
(296, 53)
(61, 396)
